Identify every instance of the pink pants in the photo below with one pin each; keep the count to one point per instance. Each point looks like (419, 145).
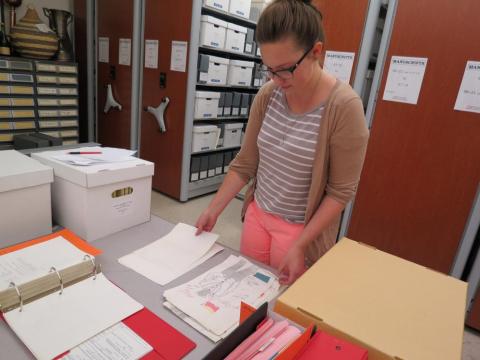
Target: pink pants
(266, 237)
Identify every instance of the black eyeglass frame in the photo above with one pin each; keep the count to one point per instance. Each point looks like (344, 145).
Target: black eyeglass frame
(266, 70)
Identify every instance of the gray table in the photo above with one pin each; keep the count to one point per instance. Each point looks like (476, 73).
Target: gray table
(140, 288)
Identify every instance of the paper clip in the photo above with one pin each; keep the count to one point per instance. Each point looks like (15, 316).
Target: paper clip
(95, 269)
(53, 269)
(12, 284)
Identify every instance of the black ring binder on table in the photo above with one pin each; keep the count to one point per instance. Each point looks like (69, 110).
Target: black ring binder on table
(15, 296)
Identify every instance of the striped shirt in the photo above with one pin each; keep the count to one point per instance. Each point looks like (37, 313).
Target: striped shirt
(286, 145)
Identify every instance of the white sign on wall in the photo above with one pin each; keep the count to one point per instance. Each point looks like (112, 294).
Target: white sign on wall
(124, 51)
(468, 98)
(405, 78)
(151, 54)
(339, 64)
(103, 49)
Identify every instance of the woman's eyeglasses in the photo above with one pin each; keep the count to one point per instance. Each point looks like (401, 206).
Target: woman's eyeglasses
(284, 74)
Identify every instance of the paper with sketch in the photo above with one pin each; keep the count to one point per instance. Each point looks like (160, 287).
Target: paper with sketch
(172, 255)
(116, 343)
(106, 155)
(55, 323)
(468, 98)
(34, 261)
(213, 298)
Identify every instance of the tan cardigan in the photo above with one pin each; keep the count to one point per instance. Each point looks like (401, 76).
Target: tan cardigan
(340, 151)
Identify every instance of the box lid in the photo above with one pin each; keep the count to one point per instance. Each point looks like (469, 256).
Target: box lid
(219, 60)
(236, 27)
(207, 94)
(213, 20)
(98, 174)
(204, 128)
(18, 171)
(233, 126)
(394, 307)
(242, 63)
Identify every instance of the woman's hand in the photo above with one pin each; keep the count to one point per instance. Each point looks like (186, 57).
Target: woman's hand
(292, 266)
(206, 221)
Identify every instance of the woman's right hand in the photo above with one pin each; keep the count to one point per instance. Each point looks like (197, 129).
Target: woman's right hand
(206, 221)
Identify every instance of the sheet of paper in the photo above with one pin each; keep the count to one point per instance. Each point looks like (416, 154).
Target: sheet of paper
(124, 51)
(339, 64)
(35, 261)
(103, 49)
(53, 324)
(468, 98)
(107, 155)
(159, 273)
(213, 298)
(151, 54)
(178, 59)
(405, 77)
(116, 343)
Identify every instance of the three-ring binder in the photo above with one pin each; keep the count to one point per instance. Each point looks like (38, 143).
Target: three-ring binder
(20, 299)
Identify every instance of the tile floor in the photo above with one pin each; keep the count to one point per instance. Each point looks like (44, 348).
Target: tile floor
(229, 228)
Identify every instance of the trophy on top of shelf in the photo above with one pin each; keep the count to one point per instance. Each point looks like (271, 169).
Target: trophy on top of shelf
(4, 44)
(58, 21)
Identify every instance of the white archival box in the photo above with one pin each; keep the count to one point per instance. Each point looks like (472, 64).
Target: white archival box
(235, 39)
(217, 71)
(25, 211)
(206, 104)
(212, 32)
(240, 8)
(240, 73)
(98, 200)
(218, 4)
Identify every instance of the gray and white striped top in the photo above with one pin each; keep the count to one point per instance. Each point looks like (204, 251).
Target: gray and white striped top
(286, 144)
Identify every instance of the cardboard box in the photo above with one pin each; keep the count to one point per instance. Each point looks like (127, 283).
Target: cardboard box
(235, 39)
(240, 8)
(218, 4)
(26, 210)
(215, 72)
(240, 73)
(392, 307)
(232, 135)
(205, 137)
(212, 32)
(98, 200)
(206, 104)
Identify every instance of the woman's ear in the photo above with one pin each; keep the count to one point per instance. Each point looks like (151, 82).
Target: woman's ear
(317, 50)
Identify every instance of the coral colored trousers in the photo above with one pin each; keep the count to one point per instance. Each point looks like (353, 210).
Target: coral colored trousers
(266, 237)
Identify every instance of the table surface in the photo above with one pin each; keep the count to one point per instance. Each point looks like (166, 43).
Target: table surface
(140, 288)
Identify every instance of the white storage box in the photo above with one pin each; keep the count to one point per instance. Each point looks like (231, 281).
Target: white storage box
(240, 8)
(240, 73)
(205, 137)
(217, 71)
(98, 200)
(235, 40)
(206, 104)
(218, 4)
(232, 135)
(212, 32)
(25, 211)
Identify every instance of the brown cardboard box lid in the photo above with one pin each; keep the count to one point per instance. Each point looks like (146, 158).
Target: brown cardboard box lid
(394, 307)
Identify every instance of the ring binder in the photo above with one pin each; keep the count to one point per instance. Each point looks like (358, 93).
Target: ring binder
(94, 270)
(20, 298)
(59, 278)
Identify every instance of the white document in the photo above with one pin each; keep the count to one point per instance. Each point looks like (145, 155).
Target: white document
(468, 98)
(339, 64)
(178, 59)
(103, 49)
(151, 54)
(172, 255)
(124, 51)
(405, 78)
(107, 155)
(35, 261)
(55, 323)
(116, 343)
(213, 298)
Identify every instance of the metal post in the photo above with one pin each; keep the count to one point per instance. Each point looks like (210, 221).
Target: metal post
(91, 70)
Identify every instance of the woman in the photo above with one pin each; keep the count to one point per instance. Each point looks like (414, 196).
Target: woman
(304, 147)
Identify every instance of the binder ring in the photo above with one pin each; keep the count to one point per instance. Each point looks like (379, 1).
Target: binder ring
(95, 270)
(59, 278)
(12, 284)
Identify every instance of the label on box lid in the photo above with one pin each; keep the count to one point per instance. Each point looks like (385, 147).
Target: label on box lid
(207, 94)
(213, 20)
(236, 27)
(95, 175)
(19, 171)
(242, 63)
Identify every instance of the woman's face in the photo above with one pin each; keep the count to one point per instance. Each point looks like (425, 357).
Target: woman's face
(285, 54)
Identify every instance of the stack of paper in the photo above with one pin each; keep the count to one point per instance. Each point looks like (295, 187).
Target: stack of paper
(95, 155)
(172, 255)
(211, 302)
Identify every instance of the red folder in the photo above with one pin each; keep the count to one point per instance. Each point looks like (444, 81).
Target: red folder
(167, 342)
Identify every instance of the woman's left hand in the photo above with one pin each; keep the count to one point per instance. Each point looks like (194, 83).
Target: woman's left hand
(292, 266)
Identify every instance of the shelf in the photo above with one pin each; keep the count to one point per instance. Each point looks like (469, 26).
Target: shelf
(204, 186)
(228, 87)
(207, 10)
(217, 119)
(238, 55)
(216, 150)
